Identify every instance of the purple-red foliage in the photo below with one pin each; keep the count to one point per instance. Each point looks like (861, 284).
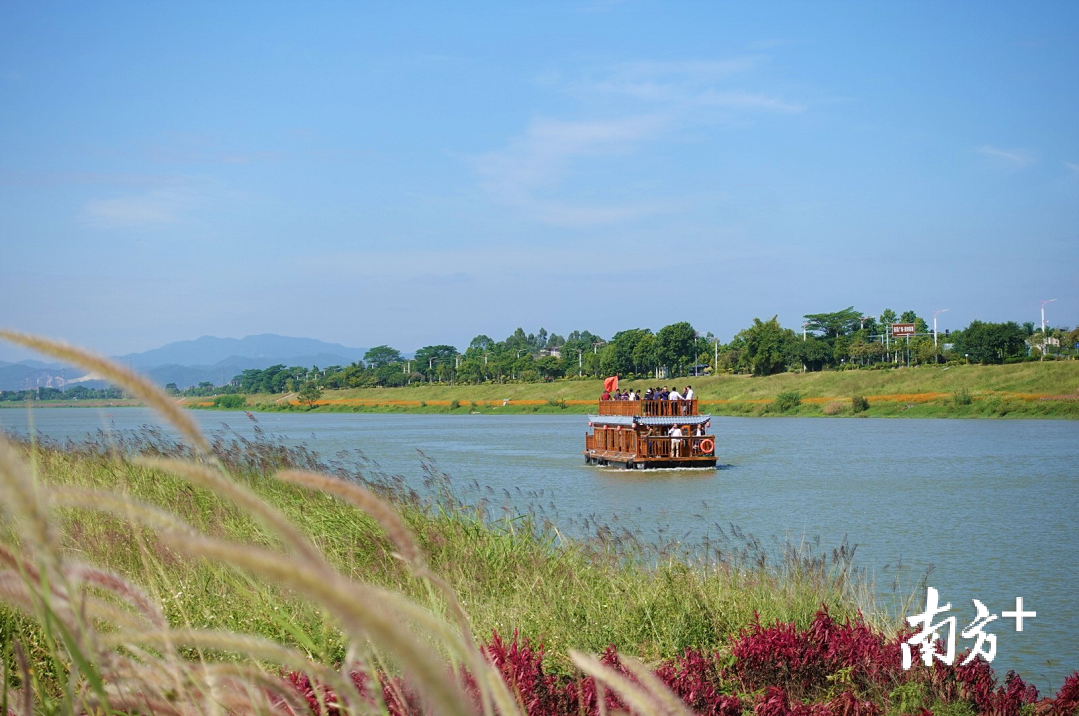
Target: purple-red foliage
(399, 699)
(802, 661)
(779, 661)
(1067, 700)
(583, 694)
(521, 666)
(695, 678)
(976, 684)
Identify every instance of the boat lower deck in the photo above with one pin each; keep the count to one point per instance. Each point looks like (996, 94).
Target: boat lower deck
(631, 461)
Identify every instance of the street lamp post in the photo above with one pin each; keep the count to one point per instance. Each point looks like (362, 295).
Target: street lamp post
(935, 314)
(1045, 341)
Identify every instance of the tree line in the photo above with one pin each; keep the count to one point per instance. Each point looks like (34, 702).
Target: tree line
(77, 392)
(845, 339)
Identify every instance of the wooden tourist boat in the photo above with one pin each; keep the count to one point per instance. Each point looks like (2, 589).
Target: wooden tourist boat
(635, 434)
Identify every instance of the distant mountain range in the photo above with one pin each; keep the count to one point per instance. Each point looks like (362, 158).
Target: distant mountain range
(187, 363)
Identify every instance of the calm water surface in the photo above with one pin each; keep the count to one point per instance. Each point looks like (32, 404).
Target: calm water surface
(989, 506)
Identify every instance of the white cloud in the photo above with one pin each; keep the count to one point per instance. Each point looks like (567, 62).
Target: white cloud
(1017, 157)
(748, 101)
(539, 160)
(653, 99)
(1072, 166)
(150, 210)
(684, 85)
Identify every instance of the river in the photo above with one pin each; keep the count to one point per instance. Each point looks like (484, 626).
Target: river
(987, 507)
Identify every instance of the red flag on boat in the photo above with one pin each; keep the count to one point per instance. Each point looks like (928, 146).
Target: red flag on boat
(611, 383)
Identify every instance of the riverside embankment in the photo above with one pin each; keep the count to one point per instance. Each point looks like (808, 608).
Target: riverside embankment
(1028, 390)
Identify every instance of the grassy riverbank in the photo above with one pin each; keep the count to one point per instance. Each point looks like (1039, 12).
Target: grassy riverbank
(152, 576)
(209, 562)
(1049, 389)
(512, 574)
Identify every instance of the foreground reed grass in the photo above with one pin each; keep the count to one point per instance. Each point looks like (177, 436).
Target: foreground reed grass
(142, 574)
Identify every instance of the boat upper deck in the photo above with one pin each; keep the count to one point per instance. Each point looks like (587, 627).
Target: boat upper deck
(651, 408)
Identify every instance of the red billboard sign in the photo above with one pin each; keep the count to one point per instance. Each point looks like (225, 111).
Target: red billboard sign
(902, 329)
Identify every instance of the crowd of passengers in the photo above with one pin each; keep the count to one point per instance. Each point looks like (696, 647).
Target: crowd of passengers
(663, 393)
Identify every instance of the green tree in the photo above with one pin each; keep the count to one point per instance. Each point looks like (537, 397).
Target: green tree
(814, 353)
(833, 325)
(766, 346)
(518, 341)
(675, 346)
(310, 393)
(644, 354)
(990, 342)
(430, 358)
(549, 367)
(382, 355)
(617, 356)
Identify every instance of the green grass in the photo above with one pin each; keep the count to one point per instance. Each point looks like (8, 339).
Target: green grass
(1049, 389)
(152, 576)
(510, 574)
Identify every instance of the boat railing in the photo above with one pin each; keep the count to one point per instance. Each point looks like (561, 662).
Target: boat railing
(666, 447)
(649, 408)
(624, 441)
(650, 446)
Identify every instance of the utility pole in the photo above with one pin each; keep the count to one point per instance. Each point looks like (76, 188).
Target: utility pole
(1045, 340)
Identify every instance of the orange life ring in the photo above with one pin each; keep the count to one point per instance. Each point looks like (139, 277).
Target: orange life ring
(707, 445)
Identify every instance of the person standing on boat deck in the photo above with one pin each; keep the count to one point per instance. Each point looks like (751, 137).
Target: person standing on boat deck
(676, 440)
(675, 397)
(688, 395)
(647, 393)
(606, 395)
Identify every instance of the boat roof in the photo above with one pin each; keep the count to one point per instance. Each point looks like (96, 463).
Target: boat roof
(629, 420)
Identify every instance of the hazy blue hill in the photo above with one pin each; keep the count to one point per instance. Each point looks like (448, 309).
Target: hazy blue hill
(210, 351)
(31, 374)
(322, 360)
(187, 363)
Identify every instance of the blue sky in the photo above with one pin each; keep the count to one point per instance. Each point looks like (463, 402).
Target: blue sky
(415, 174)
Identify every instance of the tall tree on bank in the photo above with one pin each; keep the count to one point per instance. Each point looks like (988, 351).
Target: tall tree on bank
(675, 346)
(991, 342)
(430, 358)
(382, 355)
(617, 357)
(765, 346)
(833, 325)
